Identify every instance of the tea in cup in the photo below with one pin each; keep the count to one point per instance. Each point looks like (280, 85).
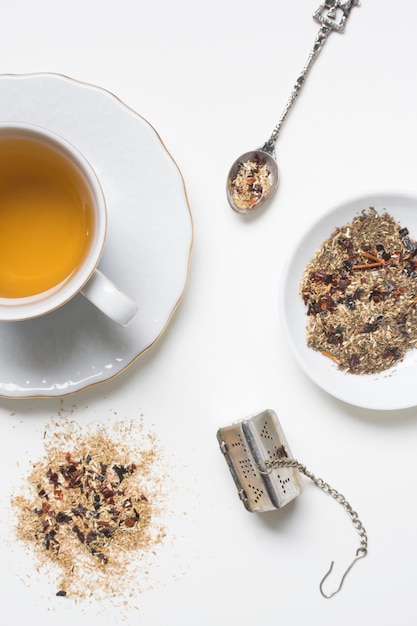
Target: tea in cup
(53, 222)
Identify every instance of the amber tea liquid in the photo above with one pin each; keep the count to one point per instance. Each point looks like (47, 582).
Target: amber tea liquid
(46, 217)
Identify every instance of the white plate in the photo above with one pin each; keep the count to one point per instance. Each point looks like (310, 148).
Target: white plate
(393, 389)
(148, 247)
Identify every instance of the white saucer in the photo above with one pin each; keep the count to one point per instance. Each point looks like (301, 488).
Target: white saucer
(148, 247)
(392, 389)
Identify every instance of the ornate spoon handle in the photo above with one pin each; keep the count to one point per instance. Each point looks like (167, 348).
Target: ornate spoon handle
(328, 16)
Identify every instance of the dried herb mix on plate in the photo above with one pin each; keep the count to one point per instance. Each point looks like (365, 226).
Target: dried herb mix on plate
(91, 508)
(360, 290)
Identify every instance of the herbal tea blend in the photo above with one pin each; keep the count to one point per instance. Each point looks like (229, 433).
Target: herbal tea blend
(251, 183)
(360, 290)
(91, 509)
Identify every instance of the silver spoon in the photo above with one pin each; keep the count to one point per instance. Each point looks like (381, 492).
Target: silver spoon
(253, 178)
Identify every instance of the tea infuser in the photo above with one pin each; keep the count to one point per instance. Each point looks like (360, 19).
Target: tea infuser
(267, 476)
(253, 178)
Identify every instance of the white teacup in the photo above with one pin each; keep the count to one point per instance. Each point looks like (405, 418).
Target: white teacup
(53, 224)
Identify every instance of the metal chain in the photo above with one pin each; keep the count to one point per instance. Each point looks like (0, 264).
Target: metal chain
(362, 551)
(325, 487)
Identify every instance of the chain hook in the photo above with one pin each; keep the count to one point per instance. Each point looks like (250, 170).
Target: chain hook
(360, 553)
(267, 467)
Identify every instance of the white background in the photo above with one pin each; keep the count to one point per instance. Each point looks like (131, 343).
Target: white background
(212, 78)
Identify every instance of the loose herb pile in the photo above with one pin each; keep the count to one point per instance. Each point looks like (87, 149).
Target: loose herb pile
(360, 290)
(251, 183)
(90, 510)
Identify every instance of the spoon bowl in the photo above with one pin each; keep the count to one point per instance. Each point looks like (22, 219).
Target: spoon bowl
(257, 195)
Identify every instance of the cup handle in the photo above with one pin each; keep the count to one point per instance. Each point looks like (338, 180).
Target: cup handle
(107, 297)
